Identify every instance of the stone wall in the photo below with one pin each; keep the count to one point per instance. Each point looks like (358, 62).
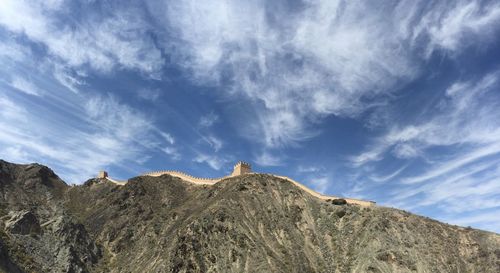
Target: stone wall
(359, 202)
(239, 169)
(187, 177)
(211, 181)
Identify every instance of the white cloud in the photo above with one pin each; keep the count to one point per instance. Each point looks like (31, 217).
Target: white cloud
(268, 159)
(25, 86)
(214, 142)
(66, 78)
(485, 220)
(76, 147)
(373, 154)
(215, 162)
(390, 176)
(149, 94)
(455, 163)
(172, 152)
(465, 19)
(314, 61)
(13, 51)
(168, 137)
(208, 120)
(475, 188)
(459, 142)
(319, 184)
(15, 152)
(115, 118)
(457, 175)
(467, 117)
(11, 111)
(119, 40)
(308, 169)
(405, 150)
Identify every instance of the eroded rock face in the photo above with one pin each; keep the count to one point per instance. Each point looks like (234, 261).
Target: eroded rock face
(37, 234)
(249, 223)
(24, 223)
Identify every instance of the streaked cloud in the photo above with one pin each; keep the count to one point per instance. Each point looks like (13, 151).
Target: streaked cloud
(465, 118)
(168, 137)
(319, 183)
(25, 86)
(215, 162)
(208, 120)
(172, 152)
(102, 42)
(268, 159)
(314, 62)
(149, 94)
(75, 146)
(395, 102)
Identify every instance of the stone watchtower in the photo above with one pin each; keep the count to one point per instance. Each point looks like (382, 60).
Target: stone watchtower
(102, 174)
(241, 168)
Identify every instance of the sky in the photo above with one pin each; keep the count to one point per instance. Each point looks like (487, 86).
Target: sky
(391, 101)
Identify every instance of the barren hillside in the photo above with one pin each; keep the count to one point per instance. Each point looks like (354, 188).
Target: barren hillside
(249, 223)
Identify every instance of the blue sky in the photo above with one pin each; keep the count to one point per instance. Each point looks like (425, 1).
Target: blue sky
(391, 101)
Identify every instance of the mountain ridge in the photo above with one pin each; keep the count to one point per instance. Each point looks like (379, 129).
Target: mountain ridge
(248, 223)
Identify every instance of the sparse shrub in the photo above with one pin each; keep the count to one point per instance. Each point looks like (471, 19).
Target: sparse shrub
(341, 213)
(339, 202)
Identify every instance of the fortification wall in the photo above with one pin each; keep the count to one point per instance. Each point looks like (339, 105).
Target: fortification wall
(118, 182)
(187, 177)
(211, 181)
(362, 203)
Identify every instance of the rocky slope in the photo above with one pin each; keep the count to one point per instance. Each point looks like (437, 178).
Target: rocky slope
(250, 223)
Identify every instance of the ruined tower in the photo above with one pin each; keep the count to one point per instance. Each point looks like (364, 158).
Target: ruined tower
(241, 168)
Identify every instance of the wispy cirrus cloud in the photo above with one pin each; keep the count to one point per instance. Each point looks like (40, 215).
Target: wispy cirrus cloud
(315, 61)
(25, 86)
(463, 175)
(268, 159)
(319, 183)
(208, 120)
(388, 177)
(489, 220)
(279, 73)
(215, 162)
(168, 137)
(102, 42)
(149, 94)
(214, 142)
(466, 117)
(107, 133)
(172, 152)
(464, 19)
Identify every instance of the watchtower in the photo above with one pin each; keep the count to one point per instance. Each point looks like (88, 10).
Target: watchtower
(102, 174)
(241, 168)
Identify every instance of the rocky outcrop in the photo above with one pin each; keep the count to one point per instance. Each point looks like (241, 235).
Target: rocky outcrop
(37, 234)
(248, 223)
(23, 222)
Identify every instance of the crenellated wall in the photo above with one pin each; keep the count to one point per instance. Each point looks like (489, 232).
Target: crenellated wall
(186, 177)
(362, 203)
(239, 169)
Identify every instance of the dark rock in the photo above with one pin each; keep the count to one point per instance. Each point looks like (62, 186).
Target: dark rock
(340, 213)
(24, 223)
(339, 202)
(6, 263)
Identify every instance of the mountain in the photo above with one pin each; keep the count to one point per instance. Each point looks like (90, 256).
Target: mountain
(247, 223)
